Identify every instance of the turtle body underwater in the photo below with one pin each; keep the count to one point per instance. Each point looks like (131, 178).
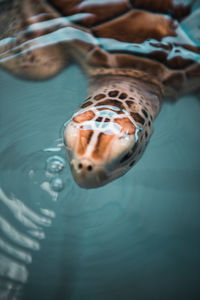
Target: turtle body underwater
(136, 54)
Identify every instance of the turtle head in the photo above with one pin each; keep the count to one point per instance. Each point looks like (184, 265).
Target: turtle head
(102, 145)
(110, 131)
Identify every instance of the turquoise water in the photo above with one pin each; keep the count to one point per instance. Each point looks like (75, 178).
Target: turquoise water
(136, 238)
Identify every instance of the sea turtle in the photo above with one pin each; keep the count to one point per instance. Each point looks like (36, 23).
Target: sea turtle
(135, 54)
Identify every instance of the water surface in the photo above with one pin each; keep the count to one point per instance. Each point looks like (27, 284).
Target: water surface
(135, 237)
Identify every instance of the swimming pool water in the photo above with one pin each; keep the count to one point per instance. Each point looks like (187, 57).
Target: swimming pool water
(136, 238)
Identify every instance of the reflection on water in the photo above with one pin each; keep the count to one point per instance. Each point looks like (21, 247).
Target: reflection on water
(22, 229)
(16, 244)
(31, 179)
(136, 238)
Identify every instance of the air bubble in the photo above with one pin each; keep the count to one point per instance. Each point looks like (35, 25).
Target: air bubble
(57, 184)
(55, 164)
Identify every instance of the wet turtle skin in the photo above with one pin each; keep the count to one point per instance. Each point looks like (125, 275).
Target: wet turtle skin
(135, 53)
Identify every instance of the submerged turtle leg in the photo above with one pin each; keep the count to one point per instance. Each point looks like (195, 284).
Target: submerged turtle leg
(28, 47)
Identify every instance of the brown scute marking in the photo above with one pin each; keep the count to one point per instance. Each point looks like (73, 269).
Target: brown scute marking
(129, 103)
(149, 123)
(126, 125)
(137, 117)
(113, 93)
(102, 144)
(89, 136)
(99, 139)
(132, 163)
(86, 104)
(84, 136)
(99, 119)
(145, 113)
(86, 116)
(146, 134)
(99, 97)
(120, 112)
(126, 157)
(123, 96)
(111, 102)
(137, 26)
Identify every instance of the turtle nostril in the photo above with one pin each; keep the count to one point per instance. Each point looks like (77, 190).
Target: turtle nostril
(80, 166)
(83, 166)
(89, 168)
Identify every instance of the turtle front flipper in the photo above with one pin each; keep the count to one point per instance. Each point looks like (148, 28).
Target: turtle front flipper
(28, 46)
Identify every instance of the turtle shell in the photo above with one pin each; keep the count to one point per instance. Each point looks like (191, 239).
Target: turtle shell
(151, 37)
(101, 11)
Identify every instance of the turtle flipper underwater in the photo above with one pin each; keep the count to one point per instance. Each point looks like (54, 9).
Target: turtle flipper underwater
(135, 53)
(22, 50)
